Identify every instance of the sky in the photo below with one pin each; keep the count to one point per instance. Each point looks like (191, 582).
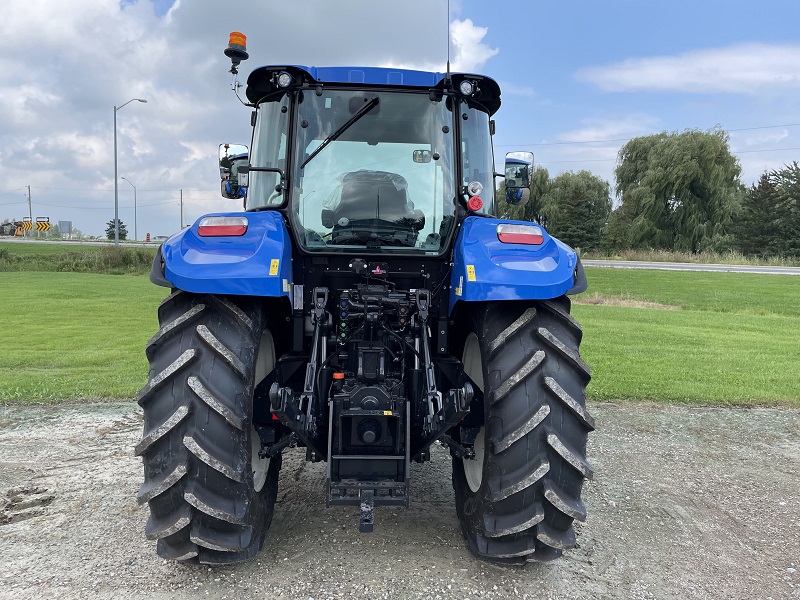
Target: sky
(578, 80)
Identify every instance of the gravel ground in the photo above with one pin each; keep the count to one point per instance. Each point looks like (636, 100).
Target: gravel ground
(686, 503)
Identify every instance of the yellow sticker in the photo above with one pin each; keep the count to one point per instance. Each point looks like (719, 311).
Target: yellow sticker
(286, 287)
(273, 266)
(471, 273)
(387, 413)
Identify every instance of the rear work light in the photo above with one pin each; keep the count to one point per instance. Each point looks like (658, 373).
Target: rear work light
(520, 234)
(222, 226)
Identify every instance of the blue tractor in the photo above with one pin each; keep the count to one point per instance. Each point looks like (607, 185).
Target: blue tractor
(364, 305)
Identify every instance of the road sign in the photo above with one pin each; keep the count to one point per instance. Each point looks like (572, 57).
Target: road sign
(26, 224)
(42, 223)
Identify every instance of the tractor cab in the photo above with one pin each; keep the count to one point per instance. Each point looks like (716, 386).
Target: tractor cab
(360, 159)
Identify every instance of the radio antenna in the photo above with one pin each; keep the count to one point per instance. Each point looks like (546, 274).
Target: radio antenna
(448, 39)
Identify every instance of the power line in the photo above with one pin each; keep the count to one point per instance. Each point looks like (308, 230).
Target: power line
(763, 150)
(629, 139)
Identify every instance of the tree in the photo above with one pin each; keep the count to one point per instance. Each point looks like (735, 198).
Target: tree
(123, 231)
(757, 223)
(679, 189)
(576, 208)
(787, 185)
(532, 210)
(768, 223)
(617, 234)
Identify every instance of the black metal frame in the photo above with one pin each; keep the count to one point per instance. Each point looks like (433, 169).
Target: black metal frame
(376, 338)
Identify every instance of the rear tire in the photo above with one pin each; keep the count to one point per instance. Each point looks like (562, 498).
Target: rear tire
(211, 497)
(517, 500)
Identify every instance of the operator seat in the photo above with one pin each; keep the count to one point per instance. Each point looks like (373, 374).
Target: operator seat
(373, 204)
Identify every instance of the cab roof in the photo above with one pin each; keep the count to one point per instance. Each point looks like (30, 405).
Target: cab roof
(263, 80)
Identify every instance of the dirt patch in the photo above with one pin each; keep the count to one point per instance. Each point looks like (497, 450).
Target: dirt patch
(23, 502)
(602, 299)
(686, 503)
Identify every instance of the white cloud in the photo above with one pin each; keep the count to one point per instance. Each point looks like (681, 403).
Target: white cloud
(65, 65)
(750, 68)
(602, 130)
(471, 53)
(744, 140)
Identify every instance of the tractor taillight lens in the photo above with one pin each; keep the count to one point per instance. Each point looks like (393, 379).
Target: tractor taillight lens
(520, 234)
(222, 226)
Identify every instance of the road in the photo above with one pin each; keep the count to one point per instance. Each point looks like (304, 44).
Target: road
(687, 502)
(672, 266)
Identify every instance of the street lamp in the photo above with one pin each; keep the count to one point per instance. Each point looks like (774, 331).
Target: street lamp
(135, 231)
(116, 176)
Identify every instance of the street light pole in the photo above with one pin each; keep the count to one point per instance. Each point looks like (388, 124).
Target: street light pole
(116, 176)
(135, 230)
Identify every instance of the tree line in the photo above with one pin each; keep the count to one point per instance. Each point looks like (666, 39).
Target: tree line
(678, 191)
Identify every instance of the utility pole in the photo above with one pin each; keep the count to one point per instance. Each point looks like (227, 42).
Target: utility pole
(181, 209)
(30, 209)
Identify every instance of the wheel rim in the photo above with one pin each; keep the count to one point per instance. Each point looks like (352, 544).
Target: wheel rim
(473, 368)
(258, 465)
(265, 363)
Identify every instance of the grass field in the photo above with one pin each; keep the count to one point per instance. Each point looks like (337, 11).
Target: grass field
(732, 339)
(74, 258)
(711, 338)
(75, 335)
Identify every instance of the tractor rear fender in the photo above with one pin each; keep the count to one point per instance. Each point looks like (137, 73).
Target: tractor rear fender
(485, 268)
(256, 263)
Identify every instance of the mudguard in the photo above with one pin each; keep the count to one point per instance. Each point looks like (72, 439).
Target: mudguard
(484, 268)
(258, 263)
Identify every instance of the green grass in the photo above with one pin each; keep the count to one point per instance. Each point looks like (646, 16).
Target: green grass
(72, 257)
(739, 293)
(74, 335)
(734, 340)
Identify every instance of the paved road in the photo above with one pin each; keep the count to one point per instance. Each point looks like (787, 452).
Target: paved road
(671, 266)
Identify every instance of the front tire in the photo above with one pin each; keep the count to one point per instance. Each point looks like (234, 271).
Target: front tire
(517, 500)
(211, 497)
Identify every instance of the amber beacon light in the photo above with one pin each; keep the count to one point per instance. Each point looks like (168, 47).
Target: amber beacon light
(237, 49)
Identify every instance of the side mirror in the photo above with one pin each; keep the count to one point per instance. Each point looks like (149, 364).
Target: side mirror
(234, 160)
(518, 172)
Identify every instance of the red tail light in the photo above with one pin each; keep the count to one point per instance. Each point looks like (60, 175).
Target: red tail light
(520, 234)
(222, 226)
